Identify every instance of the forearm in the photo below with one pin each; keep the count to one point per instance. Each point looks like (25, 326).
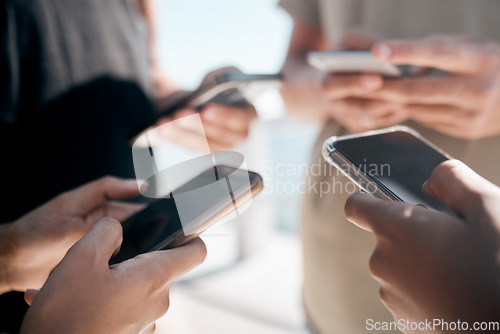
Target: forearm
(5, 256)
(163, 84)
(301, 90)
(146, 7)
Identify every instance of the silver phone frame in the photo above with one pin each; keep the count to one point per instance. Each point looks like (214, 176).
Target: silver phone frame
(364, 181)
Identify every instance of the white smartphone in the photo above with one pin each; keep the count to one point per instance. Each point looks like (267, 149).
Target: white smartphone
(390, 164)
(353, 62)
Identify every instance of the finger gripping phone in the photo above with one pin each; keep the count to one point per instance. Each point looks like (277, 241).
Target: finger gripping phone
(390, 164)
(162, 225)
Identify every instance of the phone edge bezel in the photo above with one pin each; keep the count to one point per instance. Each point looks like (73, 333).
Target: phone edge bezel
(329, 151)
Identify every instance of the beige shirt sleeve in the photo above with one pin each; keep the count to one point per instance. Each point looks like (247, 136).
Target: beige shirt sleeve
(303, 10)
(339, 294)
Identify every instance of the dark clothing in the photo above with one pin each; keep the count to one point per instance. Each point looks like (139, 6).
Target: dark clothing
(74, 80)
(49, 46)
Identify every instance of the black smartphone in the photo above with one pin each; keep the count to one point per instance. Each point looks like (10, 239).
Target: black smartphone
(390, 164)
(233, 88)
(161, 225)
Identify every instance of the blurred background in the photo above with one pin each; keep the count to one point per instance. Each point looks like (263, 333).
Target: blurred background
(251, 279)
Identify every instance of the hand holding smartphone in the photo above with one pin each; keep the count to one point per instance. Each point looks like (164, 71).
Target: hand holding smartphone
(357, 62)
(390, 164)
(230, 88)
(166, 223)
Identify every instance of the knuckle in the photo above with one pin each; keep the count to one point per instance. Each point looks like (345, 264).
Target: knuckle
(87, 253)
(384, 296)
(106, 181)
(472, 117)
(64, 200)
(490, 60)
(159, 278)
(113, 227)
(480, 92)
(157, 283)
(166, 303)
(200, 250)
(474, 123)
(338, 105)
(375, 263)
(112, 224)
(164, 306)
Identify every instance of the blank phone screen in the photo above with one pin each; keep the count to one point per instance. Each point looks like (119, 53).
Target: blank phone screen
(148, 228)
(160, 222)
(399, 160)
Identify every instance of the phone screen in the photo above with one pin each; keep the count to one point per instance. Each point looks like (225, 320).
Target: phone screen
(399, 160)
(160, 223)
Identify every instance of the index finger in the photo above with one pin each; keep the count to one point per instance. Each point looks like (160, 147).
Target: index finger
(231, 117)
(449, 54)
(357, 39)
(340, 86)
(92, 195)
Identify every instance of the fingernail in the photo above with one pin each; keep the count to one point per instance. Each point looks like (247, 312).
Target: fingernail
(382, 52)
(370, 83)
(134, 182)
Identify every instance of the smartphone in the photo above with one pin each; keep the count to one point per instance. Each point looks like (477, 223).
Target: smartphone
(161, 225)
(233, 88)
(390, 164)
(352, 62)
